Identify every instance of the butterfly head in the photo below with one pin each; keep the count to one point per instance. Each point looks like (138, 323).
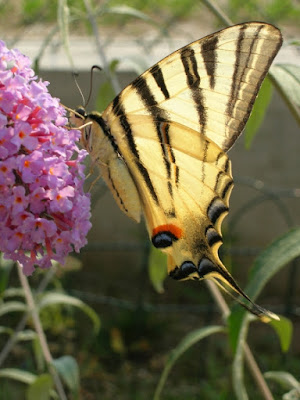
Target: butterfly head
(81, 120)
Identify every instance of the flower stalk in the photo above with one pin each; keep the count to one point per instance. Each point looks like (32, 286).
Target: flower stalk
(40, 332)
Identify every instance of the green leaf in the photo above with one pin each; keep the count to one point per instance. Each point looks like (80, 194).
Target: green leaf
(14, 292)
(5, 269)
(105, 95)
(234, 323)
(67, 368)
(26, 335)
(292, 395)
(268, 263)
(187, 342)
(22, 336)
(54, 298)
(272, 259)
(287, 380)
(6, 330)
(258, 111)
(284, 330)
(238, 362)
(157, 268)
(40, 389)
(12, 306)
(287, 77)
(38, 354)
(113, 65)
(17, 375)
(130, 11)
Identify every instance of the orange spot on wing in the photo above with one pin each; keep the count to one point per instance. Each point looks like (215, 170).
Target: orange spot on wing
(175, 230)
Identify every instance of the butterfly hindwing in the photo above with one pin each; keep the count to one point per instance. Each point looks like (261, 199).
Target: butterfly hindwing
(188, 196)
(102, 146)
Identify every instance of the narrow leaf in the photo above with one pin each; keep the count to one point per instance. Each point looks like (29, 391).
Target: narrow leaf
(291, 395)
(238, 363)
(12, 306)
(114, 65)
(157, 268)
(67, 368)
(17, 375)
(38, 354)
(40, 389)
(284, 330)
(272, 259)
(52, 298)
(14, 292)
(288, 77)
(287, 380)
(105, 94)
(187, 342)
(258, 112)
(130, 11)
(26, 335)
(6, 330)
(268, 263)
(5, 269)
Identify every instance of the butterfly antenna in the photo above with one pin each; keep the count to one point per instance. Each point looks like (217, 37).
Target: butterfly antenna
(91, 83)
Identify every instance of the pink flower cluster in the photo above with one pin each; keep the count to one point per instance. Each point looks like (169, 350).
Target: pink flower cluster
(44, 212)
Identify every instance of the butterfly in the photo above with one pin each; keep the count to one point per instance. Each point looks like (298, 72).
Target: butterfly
(161, 145)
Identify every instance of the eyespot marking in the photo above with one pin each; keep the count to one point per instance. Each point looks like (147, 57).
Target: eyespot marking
(212, 236)
(164, 235)
(205, 267)
(216, 209)
(186, 269)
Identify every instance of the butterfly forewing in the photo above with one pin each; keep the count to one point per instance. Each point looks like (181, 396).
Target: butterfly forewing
(209, 85)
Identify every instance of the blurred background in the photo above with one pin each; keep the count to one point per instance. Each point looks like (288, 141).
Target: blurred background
(142, 316)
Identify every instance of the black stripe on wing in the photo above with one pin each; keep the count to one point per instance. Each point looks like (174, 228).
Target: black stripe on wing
(209, 54)
(159, 79)
(238, 78)
(94, 116)
(160, 119)
(190, 66)
(120, 113)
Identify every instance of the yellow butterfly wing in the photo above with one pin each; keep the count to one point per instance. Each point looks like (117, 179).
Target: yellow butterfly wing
(209, 85)
(161, 143)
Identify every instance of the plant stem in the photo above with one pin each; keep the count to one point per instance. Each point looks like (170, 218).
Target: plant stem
(105, 64)
(40, 332)
(22, 323)
(249, 358)
(217, 12)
